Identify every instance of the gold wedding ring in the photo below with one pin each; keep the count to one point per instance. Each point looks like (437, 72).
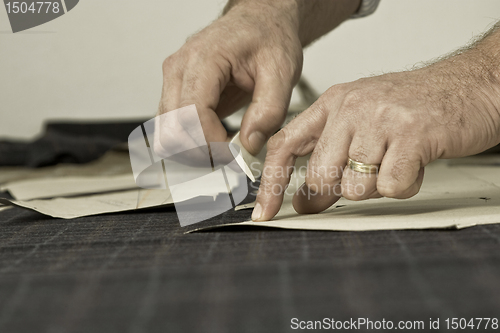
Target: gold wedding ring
(362, 167)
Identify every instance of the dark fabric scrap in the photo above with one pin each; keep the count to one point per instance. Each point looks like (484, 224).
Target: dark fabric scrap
(66, 142)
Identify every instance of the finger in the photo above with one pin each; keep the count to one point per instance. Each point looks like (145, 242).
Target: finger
(311, 199)
(169, 135)
(401, 173)
(297, 139)
(414, 188)
(203, 89)
(172, 85)
(174, 131)
(266, 112)
(365, 148)
(174, 140)
(231, 100)
(324, 172)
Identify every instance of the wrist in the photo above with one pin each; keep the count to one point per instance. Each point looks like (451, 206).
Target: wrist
(479, 77)
(476, 69)
(280, 14)
(466, 87)
(310, 19)
(470, 84)
(319, 17)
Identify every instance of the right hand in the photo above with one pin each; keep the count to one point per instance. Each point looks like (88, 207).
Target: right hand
(251, 54)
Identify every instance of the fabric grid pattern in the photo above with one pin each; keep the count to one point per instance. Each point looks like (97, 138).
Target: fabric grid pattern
(139, 272)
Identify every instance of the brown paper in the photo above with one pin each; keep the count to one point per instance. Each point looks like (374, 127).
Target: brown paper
(52, 187)
(68, 208)
(450, 197)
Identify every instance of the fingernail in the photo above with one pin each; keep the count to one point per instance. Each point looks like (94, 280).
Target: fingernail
(257, 140)
(257, 212)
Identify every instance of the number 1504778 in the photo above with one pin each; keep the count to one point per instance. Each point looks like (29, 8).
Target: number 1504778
(474, 323)
(33, 7)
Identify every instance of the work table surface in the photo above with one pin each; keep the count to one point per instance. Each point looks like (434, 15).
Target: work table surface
(140, 272)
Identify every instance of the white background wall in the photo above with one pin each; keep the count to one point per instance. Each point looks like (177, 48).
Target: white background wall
(103, 59)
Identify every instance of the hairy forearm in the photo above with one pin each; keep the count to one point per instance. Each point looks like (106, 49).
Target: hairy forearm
(475, 73)
(311, 18)
(465, 87)
(483, 58)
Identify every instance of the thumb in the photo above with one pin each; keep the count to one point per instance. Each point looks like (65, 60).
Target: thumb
(266, 112)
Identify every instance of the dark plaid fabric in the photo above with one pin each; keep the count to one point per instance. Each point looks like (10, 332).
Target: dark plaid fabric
(139, 272)
(66, 142)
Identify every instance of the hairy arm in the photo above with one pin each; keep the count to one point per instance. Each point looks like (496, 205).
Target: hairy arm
(399, 121)
(470, 78)
(252, 54)
(311, 18)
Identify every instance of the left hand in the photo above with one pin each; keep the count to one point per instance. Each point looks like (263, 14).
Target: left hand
(402, 121)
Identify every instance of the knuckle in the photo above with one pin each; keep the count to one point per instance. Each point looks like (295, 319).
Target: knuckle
(353, 191)
(172, 67)
(388, 190)
(277, 141)
(359, 154)
(167, 64)
(335, 90)
(271, 115)
(401, 170)
(352, 106)
(398, 180)
(408, 121)
(352, 99)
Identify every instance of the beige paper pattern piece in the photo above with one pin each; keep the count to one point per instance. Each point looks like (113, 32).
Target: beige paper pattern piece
(451, 197)
(73, 207)
(69, 208)
(67, 186)
(114, 174)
